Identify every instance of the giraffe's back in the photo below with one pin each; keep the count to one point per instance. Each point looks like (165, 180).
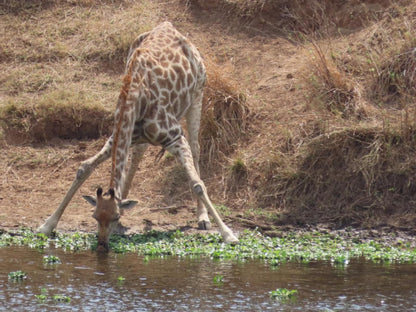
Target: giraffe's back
(168, 77)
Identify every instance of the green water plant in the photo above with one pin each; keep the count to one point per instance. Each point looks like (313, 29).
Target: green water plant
(302, 247)
(43, 295)
(17, 276)
(283, 294)
(274, 263)
(218, 279)
(50, 259)
(61, 298)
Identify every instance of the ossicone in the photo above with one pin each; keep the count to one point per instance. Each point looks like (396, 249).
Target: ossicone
(111, 193)
(99, 192)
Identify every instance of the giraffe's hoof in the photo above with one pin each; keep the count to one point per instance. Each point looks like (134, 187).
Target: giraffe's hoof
(47, 227)
(204, 225)
(230, 239)
(44, 230)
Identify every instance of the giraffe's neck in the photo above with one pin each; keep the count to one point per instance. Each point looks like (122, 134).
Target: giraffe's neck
(122, 131)
(118, 130)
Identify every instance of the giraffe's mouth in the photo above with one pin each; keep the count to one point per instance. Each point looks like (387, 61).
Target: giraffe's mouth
(102, 247)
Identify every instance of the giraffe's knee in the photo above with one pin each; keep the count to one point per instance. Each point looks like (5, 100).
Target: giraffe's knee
(80, 172)
(198, 189)
(83, 170)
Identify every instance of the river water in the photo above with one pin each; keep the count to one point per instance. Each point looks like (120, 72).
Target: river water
(95, 283)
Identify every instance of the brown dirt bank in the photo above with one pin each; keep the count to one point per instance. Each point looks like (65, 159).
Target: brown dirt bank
(316, 141)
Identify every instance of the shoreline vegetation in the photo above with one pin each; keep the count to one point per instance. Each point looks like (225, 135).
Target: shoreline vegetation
(336, 247)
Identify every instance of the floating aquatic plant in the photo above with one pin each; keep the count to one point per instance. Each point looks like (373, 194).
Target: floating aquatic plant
(218, 279)
(17, 276)
(296, 247)
(61, 298)
(283, 294)
(50, 259)
(43, 295)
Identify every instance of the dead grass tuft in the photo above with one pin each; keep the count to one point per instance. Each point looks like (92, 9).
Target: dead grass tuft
(396, 81)
(241, 8)
(326, 18)
(74, 30)
(297, 18)
(19, 6)
(332, 88)
(237, 177)
(224, 116)
(30, 6)
(308, 19)
(350, 177)
(362, 175)
(58, 114)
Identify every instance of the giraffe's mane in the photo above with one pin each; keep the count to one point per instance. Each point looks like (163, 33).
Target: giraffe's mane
(122, 99)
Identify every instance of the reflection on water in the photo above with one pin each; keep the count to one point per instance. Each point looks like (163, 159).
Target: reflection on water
(92, 283)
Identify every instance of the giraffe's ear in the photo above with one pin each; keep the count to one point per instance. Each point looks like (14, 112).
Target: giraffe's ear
(92, 200)
(127, 204)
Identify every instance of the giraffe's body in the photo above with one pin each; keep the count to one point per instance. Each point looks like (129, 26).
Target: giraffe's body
(164, 82)
(166, 77)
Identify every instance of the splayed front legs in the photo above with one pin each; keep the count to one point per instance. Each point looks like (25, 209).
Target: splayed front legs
(182, 151)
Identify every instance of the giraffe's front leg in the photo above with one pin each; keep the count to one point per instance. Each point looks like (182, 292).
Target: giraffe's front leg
(84, 171)
(182, 151)
(136, 157)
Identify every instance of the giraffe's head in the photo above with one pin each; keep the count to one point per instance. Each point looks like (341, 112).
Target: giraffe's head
(107, 214)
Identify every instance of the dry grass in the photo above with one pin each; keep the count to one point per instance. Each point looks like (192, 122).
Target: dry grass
(300, 19)
(61, 63)
(396, 81)
(72, 30)
(224, 116)
(360, 170)
(241, 8)
(344, 156)
(59, 114)
(80, 46)
(333, 88)
(351, 177)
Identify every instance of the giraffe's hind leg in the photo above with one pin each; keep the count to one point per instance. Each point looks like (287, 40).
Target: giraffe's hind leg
(193, 120)
(182, 151)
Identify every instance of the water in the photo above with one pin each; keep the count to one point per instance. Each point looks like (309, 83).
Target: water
(173, 284)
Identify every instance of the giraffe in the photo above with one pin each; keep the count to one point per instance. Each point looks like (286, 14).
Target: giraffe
(163, 82)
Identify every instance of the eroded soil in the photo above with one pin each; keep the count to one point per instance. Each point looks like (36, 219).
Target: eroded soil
(268, 68)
